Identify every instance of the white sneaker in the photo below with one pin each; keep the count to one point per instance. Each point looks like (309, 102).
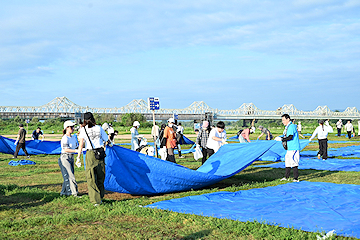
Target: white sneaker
(284, 179)
(181, 157)
(296, 180)
(96, 204)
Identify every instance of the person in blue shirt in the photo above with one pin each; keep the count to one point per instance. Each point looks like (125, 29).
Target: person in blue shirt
(291, 143)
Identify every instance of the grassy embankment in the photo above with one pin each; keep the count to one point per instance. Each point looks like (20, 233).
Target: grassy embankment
(31, 208)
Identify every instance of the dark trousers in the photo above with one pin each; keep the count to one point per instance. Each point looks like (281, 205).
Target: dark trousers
(323, 145)
(204, 153)
(296, 172)
(349, 134)
(210, 151)
(22, 146)
(339, 132)
(170, 155)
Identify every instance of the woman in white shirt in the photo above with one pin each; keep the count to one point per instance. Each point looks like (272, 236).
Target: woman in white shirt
(69, 146)
(95, 138)
(322, 132)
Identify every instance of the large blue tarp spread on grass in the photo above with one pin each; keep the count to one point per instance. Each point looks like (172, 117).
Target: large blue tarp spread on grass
(131, 172)
(33, 147)
(309, 206)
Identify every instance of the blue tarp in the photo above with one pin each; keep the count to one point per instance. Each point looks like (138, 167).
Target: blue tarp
(33, 147)
(277, 152)
(309, 206)
(331, 164)
(131, 172)
(21, 162)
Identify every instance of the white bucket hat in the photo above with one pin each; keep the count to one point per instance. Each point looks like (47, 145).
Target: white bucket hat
(68, 123)
(136, 124)
(171, 120)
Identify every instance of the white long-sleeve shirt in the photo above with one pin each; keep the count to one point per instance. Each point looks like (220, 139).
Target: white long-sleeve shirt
(322, 131)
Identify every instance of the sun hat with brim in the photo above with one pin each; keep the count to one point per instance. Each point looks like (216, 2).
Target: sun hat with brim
(68, 123)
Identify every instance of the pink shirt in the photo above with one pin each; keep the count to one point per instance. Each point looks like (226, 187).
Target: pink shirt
(245, 134)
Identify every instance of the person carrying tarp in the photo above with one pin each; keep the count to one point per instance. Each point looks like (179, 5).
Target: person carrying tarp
(291, 143)
(202, 139)
(322, 132)
(265, 131)
(217, 138)
(36, 133)
(170, 136)
(243, 135)
(69, 145)
(349, 128)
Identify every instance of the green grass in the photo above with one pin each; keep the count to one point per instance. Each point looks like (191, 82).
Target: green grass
(31, 207)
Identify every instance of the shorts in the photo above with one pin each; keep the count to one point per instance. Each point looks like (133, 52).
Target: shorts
(292, 158)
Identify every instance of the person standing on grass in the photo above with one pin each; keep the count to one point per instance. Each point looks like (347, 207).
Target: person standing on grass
(179, 138)
(217, 138)
(202, 138)
(69, 145)
(95, 138)
(349, 128)
(20, 142)
(339, 125)
(291, 143)
(322, 132)
(170, 136)
(135, 137)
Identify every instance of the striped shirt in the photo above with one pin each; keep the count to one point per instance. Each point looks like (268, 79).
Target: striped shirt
(202, 137)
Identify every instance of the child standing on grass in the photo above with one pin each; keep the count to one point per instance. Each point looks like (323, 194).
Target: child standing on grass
(69, 146)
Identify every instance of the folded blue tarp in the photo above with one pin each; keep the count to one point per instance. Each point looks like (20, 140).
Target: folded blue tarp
(331, 164)
(21, 162)
(309, 206)
(33, 147)
(131, 172)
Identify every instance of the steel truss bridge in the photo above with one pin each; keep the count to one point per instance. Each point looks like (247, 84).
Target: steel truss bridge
(62, 107)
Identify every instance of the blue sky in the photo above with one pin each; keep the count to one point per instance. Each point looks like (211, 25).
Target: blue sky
(225, 53)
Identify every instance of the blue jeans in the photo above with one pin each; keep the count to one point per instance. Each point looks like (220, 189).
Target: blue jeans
(69, 186)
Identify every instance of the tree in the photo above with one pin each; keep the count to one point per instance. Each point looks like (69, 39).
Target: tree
(128, 119)
(35, 120)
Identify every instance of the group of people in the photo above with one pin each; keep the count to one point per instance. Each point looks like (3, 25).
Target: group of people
(94, 138)
(211, 139)
(348, 127)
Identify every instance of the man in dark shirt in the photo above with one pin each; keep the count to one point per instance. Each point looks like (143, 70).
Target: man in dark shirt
(36, 133)
(20, 142)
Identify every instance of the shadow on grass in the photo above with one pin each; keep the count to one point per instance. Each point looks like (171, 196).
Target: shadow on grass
(198, 235)
(261, 175)
(25, 200)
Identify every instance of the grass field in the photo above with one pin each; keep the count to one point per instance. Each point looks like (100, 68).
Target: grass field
(31, 207)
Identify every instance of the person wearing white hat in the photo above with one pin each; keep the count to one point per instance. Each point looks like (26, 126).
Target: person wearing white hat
(69, 145)
(170, 136)
(135, 136)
